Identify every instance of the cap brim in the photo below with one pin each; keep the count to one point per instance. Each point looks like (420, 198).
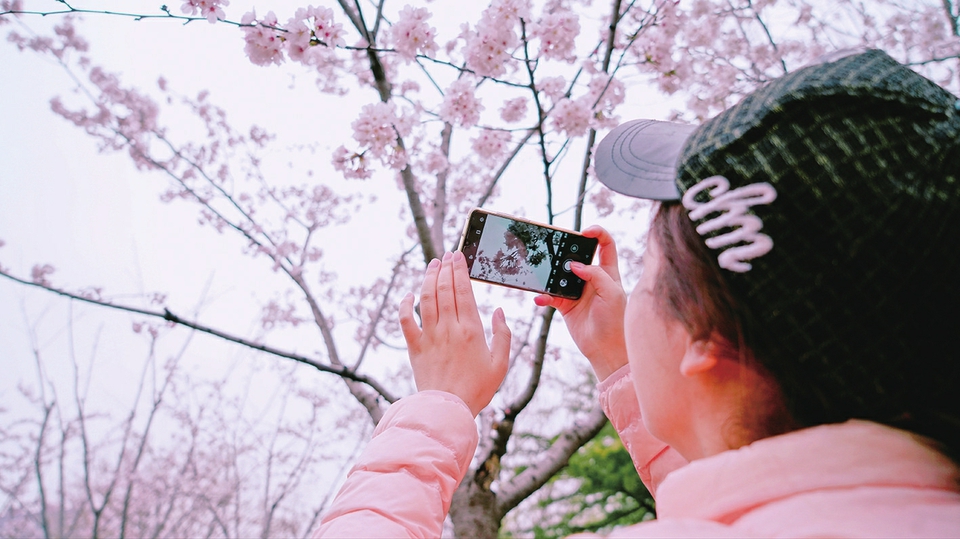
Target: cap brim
(639, 158)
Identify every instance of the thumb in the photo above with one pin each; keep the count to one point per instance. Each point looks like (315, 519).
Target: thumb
(500, 345)
(598, 277)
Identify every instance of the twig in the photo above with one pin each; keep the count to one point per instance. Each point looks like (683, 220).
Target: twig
(341, 371)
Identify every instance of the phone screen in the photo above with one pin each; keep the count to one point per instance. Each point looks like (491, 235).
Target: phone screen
(525, 255)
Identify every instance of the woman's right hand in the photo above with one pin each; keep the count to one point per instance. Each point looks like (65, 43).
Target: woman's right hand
(595, 321)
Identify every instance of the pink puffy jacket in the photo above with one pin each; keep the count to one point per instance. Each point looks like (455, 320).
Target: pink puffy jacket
(856, 479)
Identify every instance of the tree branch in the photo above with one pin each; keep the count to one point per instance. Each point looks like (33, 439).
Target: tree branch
(551, 461)
(383, 305)
(615, 17)
(540, 353)
(340, 371)
(952, 17)
(440, 193)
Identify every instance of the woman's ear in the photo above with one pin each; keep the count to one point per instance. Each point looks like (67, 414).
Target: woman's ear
(699, 358)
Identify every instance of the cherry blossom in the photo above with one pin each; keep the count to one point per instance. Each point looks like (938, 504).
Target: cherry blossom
(263, 46)
(571, 117)
(39, 273)
(325, 30)
(514, 109)
(273, 315)
(10, 5)
(605, 95)
(375, 128)
(411, 35)
(490, 144)
(556, 32)
(435, 162)
(461, 106)
(488, 49)
(211, 9)
(553, 87)
(353, 165)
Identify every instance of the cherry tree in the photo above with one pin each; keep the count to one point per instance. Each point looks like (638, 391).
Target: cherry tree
(501, 109)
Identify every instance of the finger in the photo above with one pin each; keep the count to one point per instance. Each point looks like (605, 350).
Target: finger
(408, 325)
(600, 279)
(607, 250)
(500, 345)
(466, 302)
(446, 303)
(428, 295)
(560, 304)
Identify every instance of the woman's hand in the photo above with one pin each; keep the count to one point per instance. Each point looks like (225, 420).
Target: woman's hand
(595, 320)
(450, 352)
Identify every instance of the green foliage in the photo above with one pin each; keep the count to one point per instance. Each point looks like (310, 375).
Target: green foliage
(598, 490)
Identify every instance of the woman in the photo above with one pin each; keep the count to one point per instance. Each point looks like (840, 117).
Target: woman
(785, 365)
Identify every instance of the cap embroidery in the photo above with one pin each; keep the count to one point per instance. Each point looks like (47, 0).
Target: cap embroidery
(732, 209)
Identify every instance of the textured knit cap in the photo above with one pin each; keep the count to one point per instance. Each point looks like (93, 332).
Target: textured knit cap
(851, 169)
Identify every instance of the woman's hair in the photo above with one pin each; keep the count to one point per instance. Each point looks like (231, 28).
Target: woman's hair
(690, 288)
(914, 393)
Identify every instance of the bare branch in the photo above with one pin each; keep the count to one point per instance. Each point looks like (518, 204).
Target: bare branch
(773, 43)
(38, 468)
(550, 462)
(503, 168)
(952, 17)
(440, 193)
(383, 304)
(540, 353)
(615, 17)
(339, 370)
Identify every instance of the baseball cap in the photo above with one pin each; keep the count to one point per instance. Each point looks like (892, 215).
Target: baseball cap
(831, 200)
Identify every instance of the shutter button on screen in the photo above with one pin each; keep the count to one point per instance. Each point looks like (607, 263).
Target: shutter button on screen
(566, 264)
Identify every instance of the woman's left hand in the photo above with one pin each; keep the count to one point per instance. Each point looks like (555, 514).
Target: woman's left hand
(450, 352)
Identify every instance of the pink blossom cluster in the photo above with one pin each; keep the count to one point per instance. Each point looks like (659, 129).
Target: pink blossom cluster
(552, 87)
(263, 45)
(211, 9)
(605, 94)
(353, 165)
(593, 110)
(461, 106)
(435, 162)
(311, 35)
(67, 39)
(488, 49)
(377, 127)
(557, 32)
(274, 315)
(572, 116)
(39, 273)
(514, 109)
(376, 130)
(491, 144)
(411, 35)
(10, 5)
(124, 118)
(152, 329)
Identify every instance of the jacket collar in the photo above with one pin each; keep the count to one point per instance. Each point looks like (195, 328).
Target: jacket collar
(853, 454)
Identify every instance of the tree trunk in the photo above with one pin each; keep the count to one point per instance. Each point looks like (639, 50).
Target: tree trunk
(474, 511)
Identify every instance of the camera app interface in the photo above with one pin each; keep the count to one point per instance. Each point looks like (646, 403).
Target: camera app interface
(525, 255)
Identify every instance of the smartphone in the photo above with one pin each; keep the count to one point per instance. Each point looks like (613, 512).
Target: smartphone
(518, 253)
